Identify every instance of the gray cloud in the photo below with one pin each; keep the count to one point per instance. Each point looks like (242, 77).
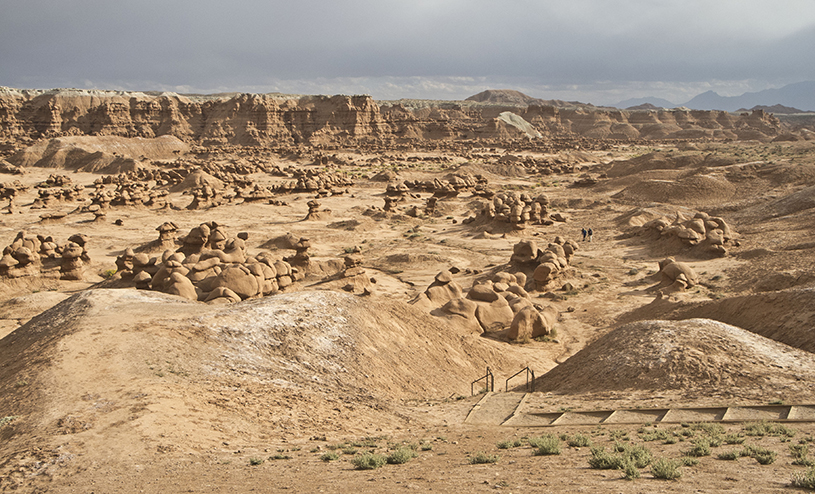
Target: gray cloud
(597, 49)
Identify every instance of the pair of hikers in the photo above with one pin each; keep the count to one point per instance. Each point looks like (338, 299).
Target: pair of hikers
(587, 233)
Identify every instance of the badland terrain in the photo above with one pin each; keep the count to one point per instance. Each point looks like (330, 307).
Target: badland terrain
(262, 292)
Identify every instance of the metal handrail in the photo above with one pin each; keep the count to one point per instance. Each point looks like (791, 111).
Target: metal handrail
(490, 382)
(529, 383)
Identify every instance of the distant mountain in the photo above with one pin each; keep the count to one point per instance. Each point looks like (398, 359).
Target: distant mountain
(511, 97)
(644, 106)
(780, 109)
(799, 95)
(503, 97)
(650, 100)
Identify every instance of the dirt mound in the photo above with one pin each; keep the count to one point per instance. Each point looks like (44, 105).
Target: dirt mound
(793, 203)
(195, 180)
(697, 190)
(786, 316)
(653, 161)
(99, 154)
(189, 376)
(693, 356)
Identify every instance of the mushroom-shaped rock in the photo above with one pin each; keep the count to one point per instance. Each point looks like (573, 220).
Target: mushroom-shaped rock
(142, 280)
(544, 273)
(524, 252)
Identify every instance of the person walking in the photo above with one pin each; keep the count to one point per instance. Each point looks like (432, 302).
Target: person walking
(590, 233)
(584, 234)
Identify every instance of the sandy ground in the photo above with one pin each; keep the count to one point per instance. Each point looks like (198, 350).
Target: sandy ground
(143, 399)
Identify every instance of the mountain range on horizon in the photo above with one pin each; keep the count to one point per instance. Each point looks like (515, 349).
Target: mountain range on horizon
(800, 95)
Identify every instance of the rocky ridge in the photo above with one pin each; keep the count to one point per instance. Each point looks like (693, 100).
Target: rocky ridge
(263, 119)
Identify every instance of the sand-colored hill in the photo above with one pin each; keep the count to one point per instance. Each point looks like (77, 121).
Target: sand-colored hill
(692, 356)
(99, 154)
(122, 369)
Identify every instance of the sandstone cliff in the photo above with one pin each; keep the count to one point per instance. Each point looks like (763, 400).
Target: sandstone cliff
(273, 119)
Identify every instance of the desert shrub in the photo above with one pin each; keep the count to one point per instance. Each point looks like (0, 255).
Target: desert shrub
(710, 428)
(762, 455)
(805, 480)
(689, 461)
(579, 441)
(701, 447)
(108, 273)
(7, 420)
(655, 435)
(800, 453)
(511, 443)
(729, 455)
(330, 456)
(639, 456)
(482, 457)
(671, 440)
(401, 455)
(630, 470)
(765, 428)
(603, 460)
(367, 442)
(369, 461)
(665, 469)
(254, 461)
(618, 435)
(426, 447)
(280, 456)
(765, 458)
(548, 444)
(349, 450)
(734, 439)
(783, 430)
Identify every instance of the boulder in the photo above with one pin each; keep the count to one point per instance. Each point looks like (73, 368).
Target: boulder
(238, 279)
(494, 316)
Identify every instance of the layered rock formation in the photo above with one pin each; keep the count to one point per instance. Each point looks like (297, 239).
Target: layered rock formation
(265, 119)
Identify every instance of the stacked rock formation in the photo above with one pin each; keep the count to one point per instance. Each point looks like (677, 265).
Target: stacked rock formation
(210, 266)
(205, 197)
(314, 181)
(314, 211)
(711, 233)
(492, 305)
(35, 255)
(9, 191)
(547, 264)
(517, 210)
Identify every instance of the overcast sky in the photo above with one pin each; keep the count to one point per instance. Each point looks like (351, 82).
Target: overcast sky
(597, 51)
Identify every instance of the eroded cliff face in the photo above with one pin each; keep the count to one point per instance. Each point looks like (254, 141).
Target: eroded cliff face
(272, 119)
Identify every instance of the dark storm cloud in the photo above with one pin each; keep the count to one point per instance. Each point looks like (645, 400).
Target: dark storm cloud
(207, 45)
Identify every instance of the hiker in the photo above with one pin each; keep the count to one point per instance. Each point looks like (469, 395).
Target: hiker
(590, 233)
(584, 234)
